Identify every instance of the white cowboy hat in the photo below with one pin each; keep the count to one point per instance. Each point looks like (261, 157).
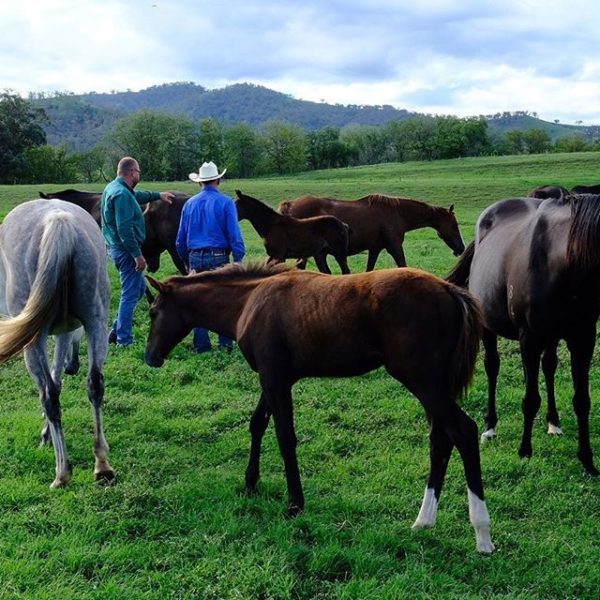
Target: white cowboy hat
(208, 172)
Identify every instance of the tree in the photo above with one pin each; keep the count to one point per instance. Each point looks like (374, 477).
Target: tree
(20, 129)
(163, 145)
(325, 149)
(91, 165)
(211, 141)
(515, 141)
(242, 150)
(49, 164)
(536, 140)
(285, 147)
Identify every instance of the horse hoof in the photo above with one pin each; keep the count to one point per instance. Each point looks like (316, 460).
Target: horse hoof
(554, 429)
(59, 483)
(106, 477)
(485, 547)
(422, 524)
(489, 434)
(525, 453)
(293, 511)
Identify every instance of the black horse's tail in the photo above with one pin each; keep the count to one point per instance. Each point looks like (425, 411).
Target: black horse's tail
(459, 275)
(462, 365)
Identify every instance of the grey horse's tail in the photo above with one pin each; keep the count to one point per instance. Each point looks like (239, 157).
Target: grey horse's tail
(49, 292)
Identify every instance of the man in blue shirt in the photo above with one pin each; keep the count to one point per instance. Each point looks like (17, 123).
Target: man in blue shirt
(208, 232)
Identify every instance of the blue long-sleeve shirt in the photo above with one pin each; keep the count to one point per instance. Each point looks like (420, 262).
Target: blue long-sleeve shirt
(209, 220)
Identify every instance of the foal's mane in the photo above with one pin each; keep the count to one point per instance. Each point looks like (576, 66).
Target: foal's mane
(249, 270)
(583, 247)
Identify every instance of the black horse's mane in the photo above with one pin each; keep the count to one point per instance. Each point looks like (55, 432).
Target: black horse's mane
(583, 247)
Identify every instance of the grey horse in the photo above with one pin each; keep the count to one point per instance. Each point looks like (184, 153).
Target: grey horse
(53, 280)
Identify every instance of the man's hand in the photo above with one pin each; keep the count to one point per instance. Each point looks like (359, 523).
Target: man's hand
(140, 263)
(167, 197)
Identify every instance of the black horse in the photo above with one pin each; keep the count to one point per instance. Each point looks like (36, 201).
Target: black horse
(534, 267)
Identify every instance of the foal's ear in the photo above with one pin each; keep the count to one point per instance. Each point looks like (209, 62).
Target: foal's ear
(451, 209)
(157, 285)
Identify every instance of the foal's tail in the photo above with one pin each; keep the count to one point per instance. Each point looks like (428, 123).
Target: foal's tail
(462, 365)
(48, 294)
(459, 275)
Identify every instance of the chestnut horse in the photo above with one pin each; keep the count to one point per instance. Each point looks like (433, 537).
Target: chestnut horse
(161, 220)
(292, 324)
(379, 222)
(287, 237)
(534, 267)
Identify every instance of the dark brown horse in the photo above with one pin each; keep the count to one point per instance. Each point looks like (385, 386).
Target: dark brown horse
(161, 219)
(287, 237)
(292, 324)
(586, 189)
(535, 268)
(379, 222)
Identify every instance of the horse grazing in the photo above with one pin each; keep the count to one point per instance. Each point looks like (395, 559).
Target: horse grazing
(549, 191)
(287, 237)
(53, 279)
(161, 220)
(534, 268)
(379, 222)
(292, 324)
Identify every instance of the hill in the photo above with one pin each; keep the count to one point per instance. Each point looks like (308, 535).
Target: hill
(80, 121)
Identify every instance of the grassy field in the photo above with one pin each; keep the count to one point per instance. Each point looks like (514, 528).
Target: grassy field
(175, 525)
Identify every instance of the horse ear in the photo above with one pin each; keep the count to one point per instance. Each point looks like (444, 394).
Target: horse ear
(451, 209)
(239, 193)
(161, 288)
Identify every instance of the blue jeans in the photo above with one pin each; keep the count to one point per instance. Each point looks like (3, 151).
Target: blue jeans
(133, 286)
(202, 260)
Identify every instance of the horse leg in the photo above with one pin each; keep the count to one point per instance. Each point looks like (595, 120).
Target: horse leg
(462, 431)
(372, 258)
(97, 350)
(440, 449)
(582, 348)
(37, 365)
(71, 364)
(321, 260)
(258, 425)
(301, 263)
(394, 247)
(279, 400)
(531, 353)
(342, 260)
(491, 363)
(549, 365)
(64, 344)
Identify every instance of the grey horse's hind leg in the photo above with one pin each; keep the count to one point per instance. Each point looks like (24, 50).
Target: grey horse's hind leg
(97, 350)
(37, 365)
(72, 358)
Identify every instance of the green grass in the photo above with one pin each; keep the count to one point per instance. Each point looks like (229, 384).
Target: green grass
(175, 525)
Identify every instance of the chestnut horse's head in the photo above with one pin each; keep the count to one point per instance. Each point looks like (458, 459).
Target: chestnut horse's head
(447, 229)
(167, 325)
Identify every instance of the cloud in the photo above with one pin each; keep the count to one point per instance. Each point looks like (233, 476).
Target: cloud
(446, 56)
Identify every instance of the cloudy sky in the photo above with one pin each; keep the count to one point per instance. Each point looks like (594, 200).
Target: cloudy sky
(460, 57)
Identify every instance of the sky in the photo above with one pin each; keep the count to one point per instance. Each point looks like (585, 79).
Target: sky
(446, 57)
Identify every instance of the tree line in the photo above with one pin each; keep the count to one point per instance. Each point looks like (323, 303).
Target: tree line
(169, 147)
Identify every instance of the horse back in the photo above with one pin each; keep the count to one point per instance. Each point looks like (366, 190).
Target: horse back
(317, 325)
(89, 201)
